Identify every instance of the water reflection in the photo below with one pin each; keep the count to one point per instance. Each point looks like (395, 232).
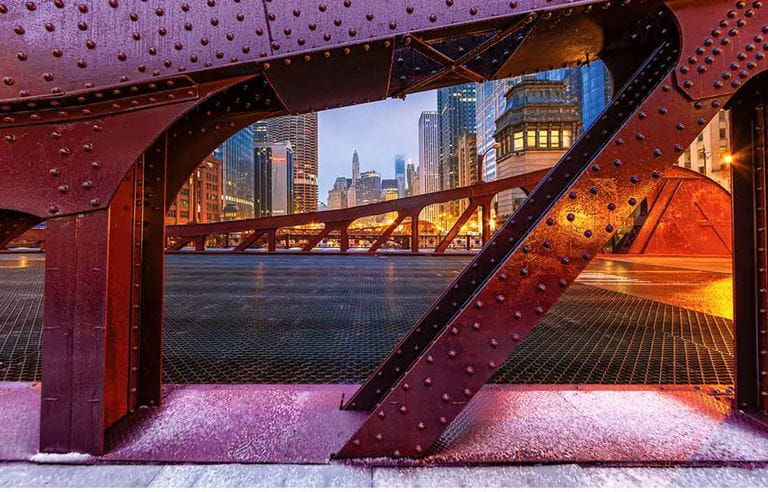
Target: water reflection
(702, 287)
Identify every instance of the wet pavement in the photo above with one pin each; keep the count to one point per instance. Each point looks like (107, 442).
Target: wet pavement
(282, 319)
(701, 284)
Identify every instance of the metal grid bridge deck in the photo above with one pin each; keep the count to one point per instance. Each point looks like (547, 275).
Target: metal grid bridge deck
(284, 320)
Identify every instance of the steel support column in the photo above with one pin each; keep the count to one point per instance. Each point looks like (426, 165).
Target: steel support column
(149, 390)
(485, 226)
(750, 243)
(87, 326)
(415, 237)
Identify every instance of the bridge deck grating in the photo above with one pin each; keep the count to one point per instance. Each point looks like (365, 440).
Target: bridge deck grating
(279, 320)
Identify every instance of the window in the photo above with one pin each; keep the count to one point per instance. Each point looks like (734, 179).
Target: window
(518, 141)
(554, 139)
(566, 138)
(543, 140)
(531, 139)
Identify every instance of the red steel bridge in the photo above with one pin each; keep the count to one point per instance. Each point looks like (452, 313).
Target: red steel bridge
(688, 214)
(108, 105)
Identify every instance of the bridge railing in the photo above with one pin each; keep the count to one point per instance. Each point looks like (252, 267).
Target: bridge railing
(337, 224)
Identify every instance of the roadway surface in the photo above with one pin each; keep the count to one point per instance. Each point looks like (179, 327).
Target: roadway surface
(330, 319)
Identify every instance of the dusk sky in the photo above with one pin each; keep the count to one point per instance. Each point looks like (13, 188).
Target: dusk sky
(378, 131)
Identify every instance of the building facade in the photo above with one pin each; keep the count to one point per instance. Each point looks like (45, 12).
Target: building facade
(539, 125)
(456, 115)
(491, 101)
(590, 85)
(467, 158)
(302, 132)
(400, 174)
(412, 188)
(260, 131)
(338, 195)
(709, 153)
(368, 188)
(236, 155)
(274, 184)
(390, 189)
(429, 159)
(595, 92)
(199, 200)
(352, 190)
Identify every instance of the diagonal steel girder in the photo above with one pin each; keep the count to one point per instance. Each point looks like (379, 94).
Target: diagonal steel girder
(482, 317)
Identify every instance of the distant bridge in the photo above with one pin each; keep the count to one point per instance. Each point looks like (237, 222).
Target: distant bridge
(689, 214)
(480, 196)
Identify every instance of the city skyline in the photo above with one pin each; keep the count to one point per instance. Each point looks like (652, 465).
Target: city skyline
(342, 131)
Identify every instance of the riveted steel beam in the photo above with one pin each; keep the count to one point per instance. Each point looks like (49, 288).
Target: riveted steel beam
(750, 213)
(439, 367)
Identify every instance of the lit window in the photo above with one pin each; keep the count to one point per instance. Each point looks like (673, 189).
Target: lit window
(543, 140)
(566, 138)
(531, 137)
(518, 141)
(554, 139)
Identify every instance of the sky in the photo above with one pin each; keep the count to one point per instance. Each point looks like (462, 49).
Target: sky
(378, 131)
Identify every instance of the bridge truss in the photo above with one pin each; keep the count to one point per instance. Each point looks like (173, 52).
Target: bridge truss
(107, 106)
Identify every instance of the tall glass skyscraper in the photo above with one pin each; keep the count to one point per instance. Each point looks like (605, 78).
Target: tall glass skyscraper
(490, 105)
(456, 115)
(596, 90)
(237, 157)
(429, 150)
(400, 174)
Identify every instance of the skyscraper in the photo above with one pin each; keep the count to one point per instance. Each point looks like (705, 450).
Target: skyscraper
(411, 188)
(273, 182)
(301, 132)
(596, 90)
(456, 115)
(338, 196)
(355, 167)
(199, 200)
(369, 188)
(467, 158)
(260, 133)
(352, 191)
(491, 101)
(390, 189)
(400, 174)
(429, 151)
(237, 157)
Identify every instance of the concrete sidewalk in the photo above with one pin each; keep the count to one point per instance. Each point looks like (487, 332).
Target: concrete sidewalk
(336, 475)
